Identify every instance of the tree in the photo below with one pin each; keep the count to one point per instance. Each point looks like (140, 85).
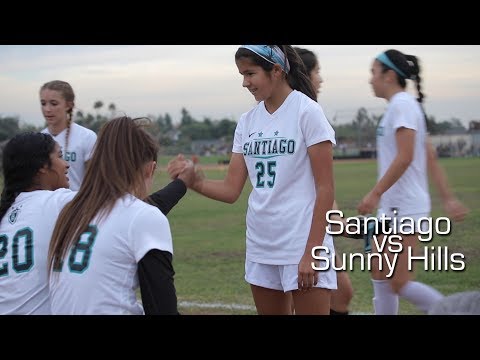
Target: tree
(186, 118)
(196, 131)
(168, 122)
(112, 109)
(225, 128)
(30, 127)
(8, 127)
(431, 125)
(365, 128)
(97, 106)
(79, 115)
(457, 124)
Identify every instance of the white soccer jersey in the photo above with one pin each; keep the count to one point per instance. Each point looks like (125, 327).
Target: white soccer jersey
(280, 206)
(25, 233)
(410, 194)
(99, 274)
(80, 147)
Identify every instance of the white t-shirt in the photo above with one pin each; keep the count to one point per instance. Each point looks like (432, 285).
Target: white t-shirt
(99, 275)
(280, 206)
(25, 233)
(80, 148)
(410, 194)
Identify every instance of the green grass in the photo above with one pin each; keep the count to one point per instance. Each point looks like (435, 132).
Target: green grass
(208, 160)
(209, 240)
(209, 249)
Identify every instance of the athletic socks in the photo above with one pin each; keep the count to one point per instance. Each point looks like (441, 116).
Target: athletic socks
(385, 301)
(420, 295)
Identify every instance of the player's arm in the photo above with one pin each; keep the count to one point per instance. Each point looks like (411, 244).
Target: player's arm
(166, 198)
(454, 208)
(437, 174)
(321, 161)
(155, 274)
(229, 189)
(405, 139)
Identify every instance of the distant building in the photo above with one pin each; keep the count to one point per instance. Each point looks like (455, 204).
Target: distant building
(210, 147)
(474, 125)
(457, 142)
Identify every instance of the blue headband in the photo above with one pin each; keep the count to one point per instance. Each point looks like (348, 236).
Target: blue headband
(272, 53)
(383, 58)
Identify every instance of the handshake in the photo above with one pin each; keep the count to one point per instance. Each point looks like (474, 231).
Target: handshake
(185, 170)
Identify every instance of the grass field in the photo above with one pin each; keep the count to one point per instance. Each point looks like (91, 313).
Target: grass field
(209, 241)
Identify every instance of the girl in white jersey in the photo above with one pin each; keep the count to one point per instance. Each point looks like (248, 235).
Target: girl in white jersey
(58, 100)
(107, 241)
(404, 156)
(32, 167)
(284, 146)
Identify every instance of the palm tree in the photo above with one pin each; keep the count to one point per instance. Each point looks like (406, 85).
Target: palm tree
(97, 106)
(112, 109)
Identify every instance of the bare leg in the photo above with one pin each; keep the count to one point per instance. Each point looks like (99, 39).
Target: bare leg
(271, 302)
(312, 302)
(341, 297)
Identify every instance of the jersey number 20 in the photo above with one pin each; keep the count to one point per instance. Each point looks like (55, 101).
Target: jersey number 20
(25, 234)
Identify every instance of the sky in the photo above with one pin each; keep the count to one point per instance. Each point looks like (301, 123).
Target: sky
(146, 80)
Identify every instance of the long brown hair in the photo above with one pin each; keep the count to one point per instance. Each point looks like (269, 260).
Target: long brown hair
(122, 150)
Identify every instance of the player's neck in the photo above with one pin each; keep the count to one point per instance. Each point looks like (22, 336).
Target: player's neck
(56, 129)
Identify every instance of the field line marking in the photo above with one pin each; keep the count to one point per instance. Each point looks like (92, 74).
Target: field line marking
(215, 305)
(195, 304)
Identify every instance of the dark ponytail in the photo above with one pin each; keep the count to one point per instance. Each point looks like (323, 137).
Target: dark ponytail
(298, 77)
(410, 68)
(414, 68)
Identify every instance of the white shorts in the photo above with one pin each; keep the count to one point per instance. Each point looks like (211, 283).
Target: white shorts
(285, 277)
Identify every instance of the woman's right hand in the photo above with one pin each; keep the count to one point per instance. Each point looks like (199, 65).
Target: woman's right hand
(186, 170)
(176, 166)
